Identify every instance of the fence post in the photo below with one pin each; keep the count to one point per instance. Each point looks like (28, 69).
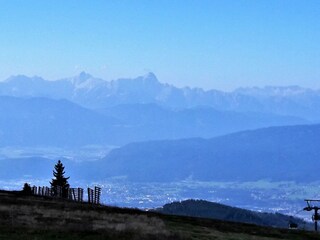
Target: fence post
(80, 192)
(97, 192)
(47, 192)
(34, 190)
(89, 196)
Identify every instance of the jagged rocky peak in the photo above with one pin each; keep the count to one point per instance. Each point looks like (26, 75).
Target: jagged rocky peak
(150, 76)
(86, 81)
(146, 79)
(82, 77)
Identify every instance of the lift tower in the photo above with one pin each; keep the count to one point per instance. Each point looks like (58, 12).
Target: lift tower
(312, 207)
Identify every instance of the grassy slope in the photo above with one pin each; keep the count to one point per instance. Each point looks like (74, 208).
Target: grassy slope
(38, 218)
(206, 209)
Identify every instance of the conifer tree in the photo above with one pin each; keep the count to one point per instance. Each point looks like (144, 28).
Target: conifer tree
(59, 180)
(27, 189)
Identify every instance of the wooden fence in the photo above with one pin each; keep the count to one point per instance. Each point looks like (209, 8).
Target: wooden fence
(94, 195)
(74, 194)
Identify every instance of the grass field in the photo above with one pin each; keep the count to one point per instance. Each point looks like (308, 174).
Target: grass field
(33, 217)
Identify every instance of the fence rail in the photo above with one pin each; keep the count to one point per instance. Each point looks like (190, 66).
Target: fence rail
(74, 194)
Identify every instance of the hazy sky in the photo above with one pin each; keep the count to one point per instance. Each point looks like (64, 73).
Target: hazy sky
(210, 44)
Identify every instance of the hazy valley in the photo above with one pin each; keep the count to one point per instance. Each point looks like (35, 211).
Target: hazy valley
(148, 143)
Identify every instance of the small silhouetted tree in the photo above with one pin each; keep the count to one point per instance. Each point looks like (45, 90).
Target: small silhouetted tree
(27, 189)
(59, 180)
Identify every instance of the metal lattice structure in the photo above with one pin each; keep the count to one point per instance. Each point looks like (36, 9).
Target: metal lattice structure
(311, 206)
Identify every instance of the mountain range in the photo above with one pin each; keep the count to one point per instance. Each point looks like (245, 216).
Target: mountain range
(96, 93)
(84, 110)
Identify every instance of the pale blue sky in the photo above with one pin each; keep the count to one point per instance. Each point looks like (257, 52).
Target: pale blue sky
(210, 44)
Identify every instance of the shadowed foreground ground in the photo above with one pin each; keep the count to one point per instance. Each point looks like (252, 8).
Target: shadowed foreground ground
(46, 218)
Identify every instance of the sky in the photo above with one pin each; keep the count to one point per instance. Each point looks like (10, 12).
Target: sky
(210, 44)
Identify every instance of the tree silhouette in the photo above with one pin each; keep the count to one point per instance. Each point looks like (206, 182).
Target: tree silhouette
(59, 181)
(27, 189)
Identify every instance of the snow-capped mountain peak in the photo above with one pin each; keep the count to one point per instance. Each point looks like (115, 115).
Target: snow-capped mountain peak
(86, 81)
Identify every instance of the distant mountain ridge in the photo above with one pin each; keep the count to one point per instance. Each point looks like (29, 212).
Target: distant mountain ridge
(158, 122)
(275, 153)
(92, 92)
(48, 122)
(41, 121)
